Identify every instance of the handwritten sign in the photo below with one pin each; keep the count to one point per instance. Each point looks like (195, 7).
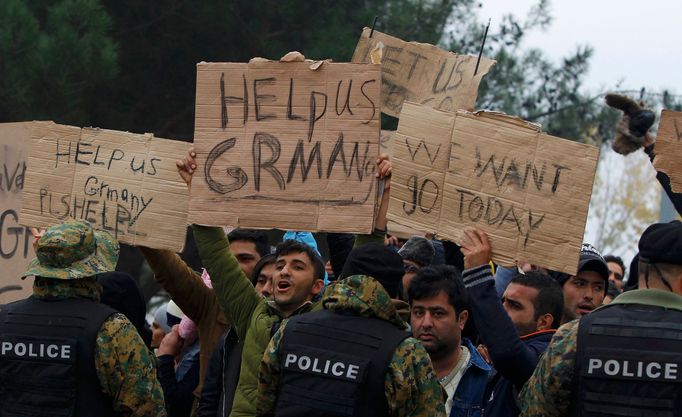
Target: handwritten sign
(16, 249)
(422, 73)
(669, 148)
(282, 145)
(123, 183)
(529, 191)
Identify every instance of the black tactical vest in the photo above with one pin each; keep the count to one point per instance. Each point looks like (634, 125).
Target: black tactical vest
(47, 364)
(335, 365)
(629, 362)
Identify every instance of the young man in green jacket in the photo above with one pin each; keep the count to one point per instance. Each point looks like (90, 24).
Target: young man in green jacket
(296, 282)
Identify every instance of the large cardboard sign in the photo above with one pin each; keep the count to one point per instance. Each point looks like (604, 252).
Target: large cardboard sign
(422, 73)
(529, 191)
(286, 145)
(123, 183)
(669, 148)
(16, 249)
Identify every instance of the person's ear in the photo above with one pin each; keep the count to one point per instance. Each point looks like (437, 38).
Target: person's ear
(544, 322)
(462, 319)
(318, 285)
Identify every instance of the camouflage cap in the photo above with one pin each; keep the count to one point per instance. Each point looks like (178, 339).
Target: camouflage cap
(73, 250)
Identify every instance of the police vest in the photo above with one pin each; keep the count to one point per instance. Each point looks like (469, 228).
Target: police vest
(47, 366)
(629, 362)
(335, 365)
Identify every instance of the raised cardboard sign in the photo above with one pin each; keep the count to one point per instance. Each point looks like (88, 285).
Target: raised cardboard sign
(669, 148)
(16, 249)
(422, 73)
(529, 191)
(123, 183)
(286, 145)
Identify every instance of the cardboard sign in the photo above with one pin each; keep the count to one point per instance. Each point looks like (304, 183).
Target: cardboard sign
(669, 148)
(422, 73)
(387, 137)
(286, 145)
(16, 242)
(123, 183)
(529, 191)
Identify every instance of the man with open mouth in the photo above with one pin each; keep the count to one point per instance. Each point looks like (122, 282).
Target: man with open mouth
(585, 291)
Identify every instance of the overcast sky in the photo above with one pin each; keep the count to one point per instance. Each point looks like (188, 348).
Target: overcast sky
(636, 42)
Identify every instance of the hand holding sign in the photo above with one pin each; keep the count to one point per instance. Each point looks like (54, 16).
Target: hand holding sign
(476, 248)
(186, 167)
(529, 191)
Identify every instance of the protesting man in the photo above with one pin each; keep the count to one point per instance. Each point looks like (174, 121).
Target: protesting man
(626, 357)
(515, 331)
(64, 353)
(440, 310)
(297, 280)
(353, 358)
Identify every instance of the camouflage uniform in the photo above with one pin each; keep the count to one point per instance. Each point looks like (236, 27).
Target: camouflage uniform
(69, 256)
(411, 387)
(125, 368)
(549, 390)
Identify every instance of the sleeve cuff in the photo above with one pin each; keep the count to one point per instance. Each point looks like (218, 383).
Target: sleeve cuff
(477, 276)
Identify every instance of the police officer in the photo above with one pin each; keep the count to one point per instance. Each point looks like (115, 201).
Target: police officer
(61, 351)
(624, 359)
(353, 358)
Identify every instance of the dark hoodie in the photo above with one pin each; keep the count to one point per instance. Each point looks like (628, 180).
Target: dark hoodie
(121, 292)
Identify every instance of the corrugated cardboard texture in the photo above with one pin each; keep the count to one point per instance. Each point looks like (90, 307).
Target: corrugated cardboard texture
(124, 183)
(669, 148)
(529, 191)
(16, 242)
(280, 145)
(422, 73)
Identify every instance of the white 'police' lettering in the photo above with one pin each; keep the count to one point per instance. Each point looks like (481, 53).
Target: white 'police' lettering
(639, 369)
(305, 363)
(35, 350)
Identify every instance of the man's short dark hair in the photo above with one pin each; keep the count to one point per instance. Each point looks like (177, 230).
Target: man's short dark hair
(431, 280)
(618, 260)
(268, 259)
(257, 237)
(294, 246)
(550, 298)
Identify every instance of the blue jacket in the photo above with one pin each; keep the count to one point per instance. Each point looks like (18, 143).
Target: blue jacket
(469, 393)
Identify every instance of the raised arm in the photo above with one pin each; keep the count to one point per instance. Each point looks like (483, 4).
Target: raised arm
(510, 355)
(233, 289)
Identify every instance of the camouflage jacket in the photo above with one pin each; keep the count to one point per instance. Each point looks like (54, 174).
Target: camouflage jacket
(549, 391)
(125, 368)
(411, 386)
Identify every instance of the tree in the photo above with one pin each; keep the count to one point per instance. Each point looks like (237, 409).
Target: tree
(56, 57)
(625, 200)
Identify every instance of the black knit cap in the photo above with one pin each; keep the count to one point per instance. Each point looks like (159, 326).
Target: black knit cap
(662, 243)
(590, 260)
(378, 262)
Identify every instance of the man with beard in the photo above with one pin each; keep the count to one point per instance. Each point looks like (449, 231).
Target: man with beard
(623, 359)
(439, 313)
(515, 331)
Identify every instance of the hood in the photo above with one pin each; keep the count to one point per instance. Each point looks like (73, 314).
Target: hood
(364, 296)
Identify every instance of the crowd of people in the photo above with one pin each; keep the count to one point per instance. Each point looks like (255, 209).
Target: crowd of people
(384, 328)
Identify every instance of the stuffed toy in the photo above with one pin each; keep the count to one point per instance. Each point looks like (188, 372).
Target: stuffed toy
(633, 129)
